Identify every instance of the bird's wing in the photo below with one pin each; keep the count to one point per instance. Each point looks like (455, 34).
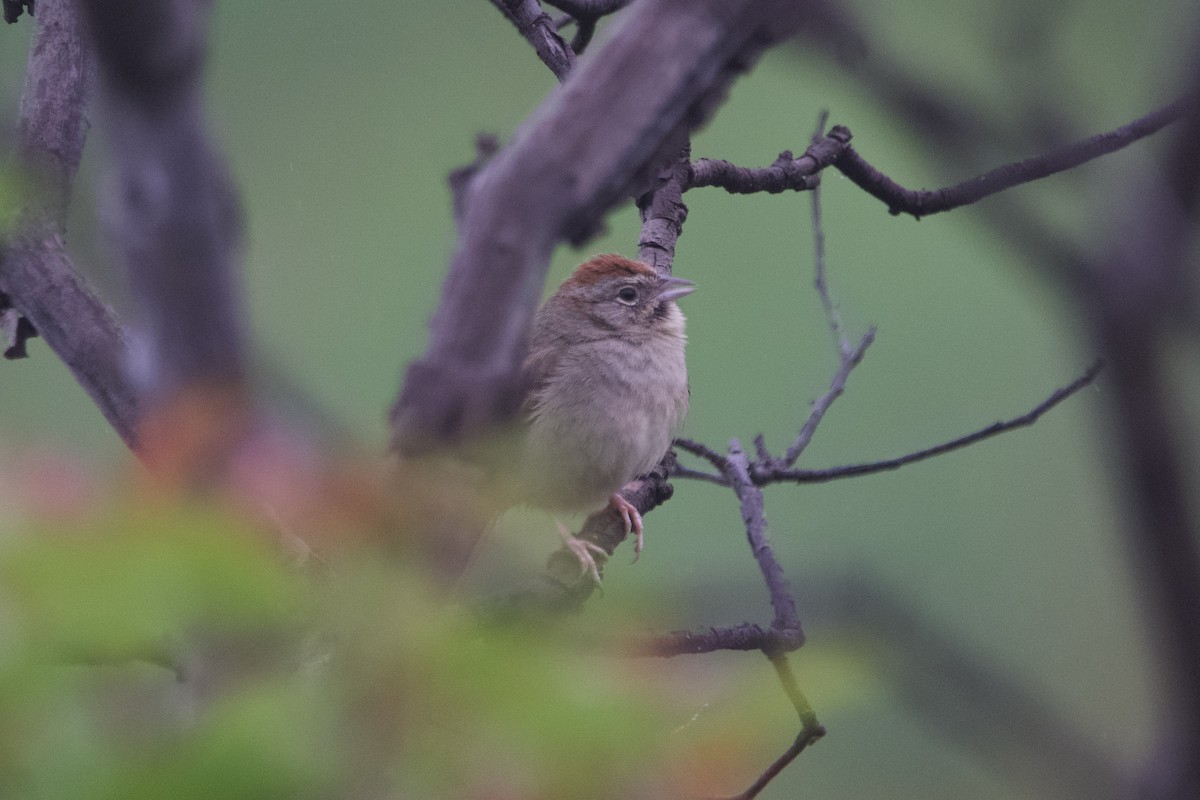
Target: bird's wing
(540, 365)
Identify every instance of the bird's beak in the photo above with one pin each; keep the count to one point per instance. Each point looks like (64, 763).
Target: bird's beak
(674, 288)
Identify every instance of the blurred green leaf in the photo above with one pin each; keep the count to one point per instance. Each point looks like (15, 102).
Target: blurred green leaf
(130, 583)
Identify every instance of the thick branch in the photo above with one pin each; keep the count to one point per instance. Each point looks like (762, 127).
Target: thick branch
(1141, 285)
(663, 211)
(174, 212)
(35, 271)
(589, 146)
(925, 202)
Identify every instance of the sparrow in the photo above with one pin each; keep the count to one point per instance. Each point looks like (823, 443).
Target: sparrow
(607, 390)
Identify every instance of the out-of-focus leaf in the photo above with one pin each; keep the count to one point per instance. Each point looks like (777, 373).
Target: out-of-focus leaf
(135, 582)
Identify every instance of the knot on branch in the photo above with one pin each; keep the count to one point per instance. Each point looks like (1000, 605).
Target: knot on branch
(786, 173)
(13, 9)
(15, 330)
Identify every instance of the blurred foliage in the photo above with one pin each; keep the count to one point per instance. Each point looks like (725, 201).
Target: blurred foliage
(152, 647)
(341, 129)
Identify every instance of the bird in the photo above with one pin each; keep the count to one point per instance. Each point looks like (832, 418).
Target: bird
(606, 391)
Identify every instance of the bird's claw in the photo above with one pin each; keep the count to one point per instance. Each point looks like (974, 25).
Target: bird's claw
(632, 519)
(584, 551)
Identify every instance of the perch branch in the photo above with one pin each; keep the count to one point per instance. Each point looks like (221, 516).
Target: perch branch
(590, 145)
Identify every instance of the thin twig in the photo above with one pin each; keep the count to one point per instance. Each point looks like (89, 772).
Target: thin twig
(681, 471)
(662, 209)
(925, 202)
(838, 385)
(743, 637)
(831, 314)
(810, 730)
(703, 451)
(766, 475)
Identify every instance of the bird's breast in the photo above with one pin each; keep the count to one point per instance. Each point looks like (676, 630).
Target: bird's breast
(606, 415)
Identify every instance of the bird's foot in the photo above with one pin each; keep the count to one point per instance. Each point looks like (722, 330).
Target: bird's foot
(584, 550)
(632, 519)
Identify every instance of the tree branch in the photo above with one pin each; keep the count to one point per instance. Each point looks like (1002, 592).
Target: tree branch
(786, 173)
(810, 730)
(13, 9)
(174, 211)
(35, 271)
(588, 146)
(925, 202)
(539, 30)
(849, 361)
(766, 474)
(559, 587)
(589, 9)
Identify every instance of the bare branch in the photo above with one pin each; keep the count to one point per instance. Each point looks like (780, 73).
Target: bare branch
(35, 271)
(681, 471)
(849, 361)
(1144, 284)
(663, 211)
(539, 30)
(819, 283)
(559, 588)
(585, 29)
(925, 202)
(750, 497)
(175, 216)
(786, 173)
(770, 474)
(589, 146)
(589, 9)
(744, 637)
(703, 451)
(13, 9)
(810, 730)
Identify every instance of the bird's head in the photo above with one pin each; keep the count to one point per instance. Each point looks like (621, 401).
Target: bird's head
(616, 295)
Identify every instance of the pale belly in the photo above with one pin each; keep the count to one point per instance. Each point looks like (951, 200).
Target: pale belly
(604, 423)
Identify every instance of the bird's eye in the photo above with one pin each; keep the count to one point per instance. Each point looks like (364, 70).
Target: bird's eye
(628, 295)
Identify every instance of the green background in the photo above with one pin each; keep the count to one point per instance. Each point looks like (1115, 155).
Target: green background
(341, 124)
